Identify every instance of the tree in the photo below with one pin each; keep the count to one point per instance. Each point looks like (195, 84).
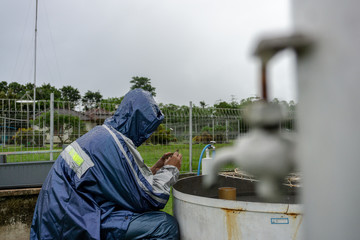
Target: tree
(29, 87)
(44, 92)
(203, 104)
(144, 83)
(245, 102)
(111, 104)
(3, 87)
(169, 107)
(235, 104)
(292, 106)
(69, 93)
(91, 99)
(3, 95)
(15, 89)
(222, 104)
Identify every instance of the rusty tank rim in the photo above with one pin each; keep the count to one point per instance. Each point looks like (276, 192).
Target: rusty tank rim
(190, 190)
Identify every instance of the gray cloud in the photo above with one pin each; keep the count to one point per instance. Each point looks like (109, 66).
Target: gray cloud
(192, 50)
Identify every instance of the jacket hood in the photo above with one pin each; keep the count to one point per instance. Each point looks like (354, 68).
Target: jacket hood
(137, 117)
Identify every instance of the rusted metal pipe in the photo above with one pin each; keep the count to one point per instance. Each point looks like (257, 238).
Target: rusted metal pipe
(264, 94)
(269, 47)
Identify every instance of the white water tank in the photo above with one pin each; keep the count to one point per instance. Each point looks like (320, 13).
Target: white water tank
(201, 215)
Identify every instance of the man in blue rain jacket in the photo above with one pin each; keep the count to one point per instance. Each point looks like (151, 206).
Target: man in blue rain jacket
(100, 188)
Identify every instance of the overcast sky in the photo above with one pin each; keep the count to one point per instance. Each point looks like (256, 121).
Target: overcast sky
(192, 50)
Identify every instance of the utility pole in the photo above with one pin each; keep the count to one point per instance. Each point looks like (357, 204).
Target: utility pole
(35, 51)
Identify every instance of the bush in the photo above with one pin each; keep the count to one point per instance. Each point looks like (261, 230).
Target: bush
(203, 138)
(28, 137)
(219, 138)
(161, 136)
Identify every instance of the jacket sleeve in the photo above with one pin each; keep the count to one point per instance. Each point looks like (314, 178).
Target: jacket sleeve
(165, 178)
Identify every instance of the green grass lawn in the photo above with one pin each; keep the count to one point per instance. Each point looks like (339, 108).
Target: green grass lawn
(151, 153)
(168, 207)
(28, 157)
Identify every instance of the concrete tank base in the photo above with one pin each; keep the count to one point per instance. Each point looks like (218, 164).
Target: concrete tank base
(201, 215)
(16, 212)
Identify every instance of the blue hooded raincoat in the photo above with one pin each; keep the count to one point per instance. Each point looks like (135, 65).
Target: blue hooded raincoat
(100, 182)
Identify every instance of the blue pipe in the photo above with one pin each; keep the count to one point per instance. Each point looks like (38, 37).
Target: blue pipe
(202, 153)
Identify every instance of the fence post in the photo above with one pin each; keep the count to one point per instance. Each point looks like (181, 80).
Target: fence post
(213, 128)
(4, 128)
(79, 125)
(2, 158)
(227, 130)
(51, 125)
(190, 137)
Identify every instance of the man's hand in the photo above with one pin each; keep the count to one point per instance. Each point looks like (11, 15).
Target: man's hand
(160, 163)
(174, 160)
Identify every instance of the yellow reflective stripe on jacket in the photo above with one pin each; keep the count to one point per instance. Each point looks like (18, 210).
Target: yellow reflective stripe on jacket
(76, 157)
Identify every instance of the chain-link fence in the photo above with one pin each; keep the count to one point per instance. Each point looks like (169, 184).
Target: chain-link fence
(41, 134)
